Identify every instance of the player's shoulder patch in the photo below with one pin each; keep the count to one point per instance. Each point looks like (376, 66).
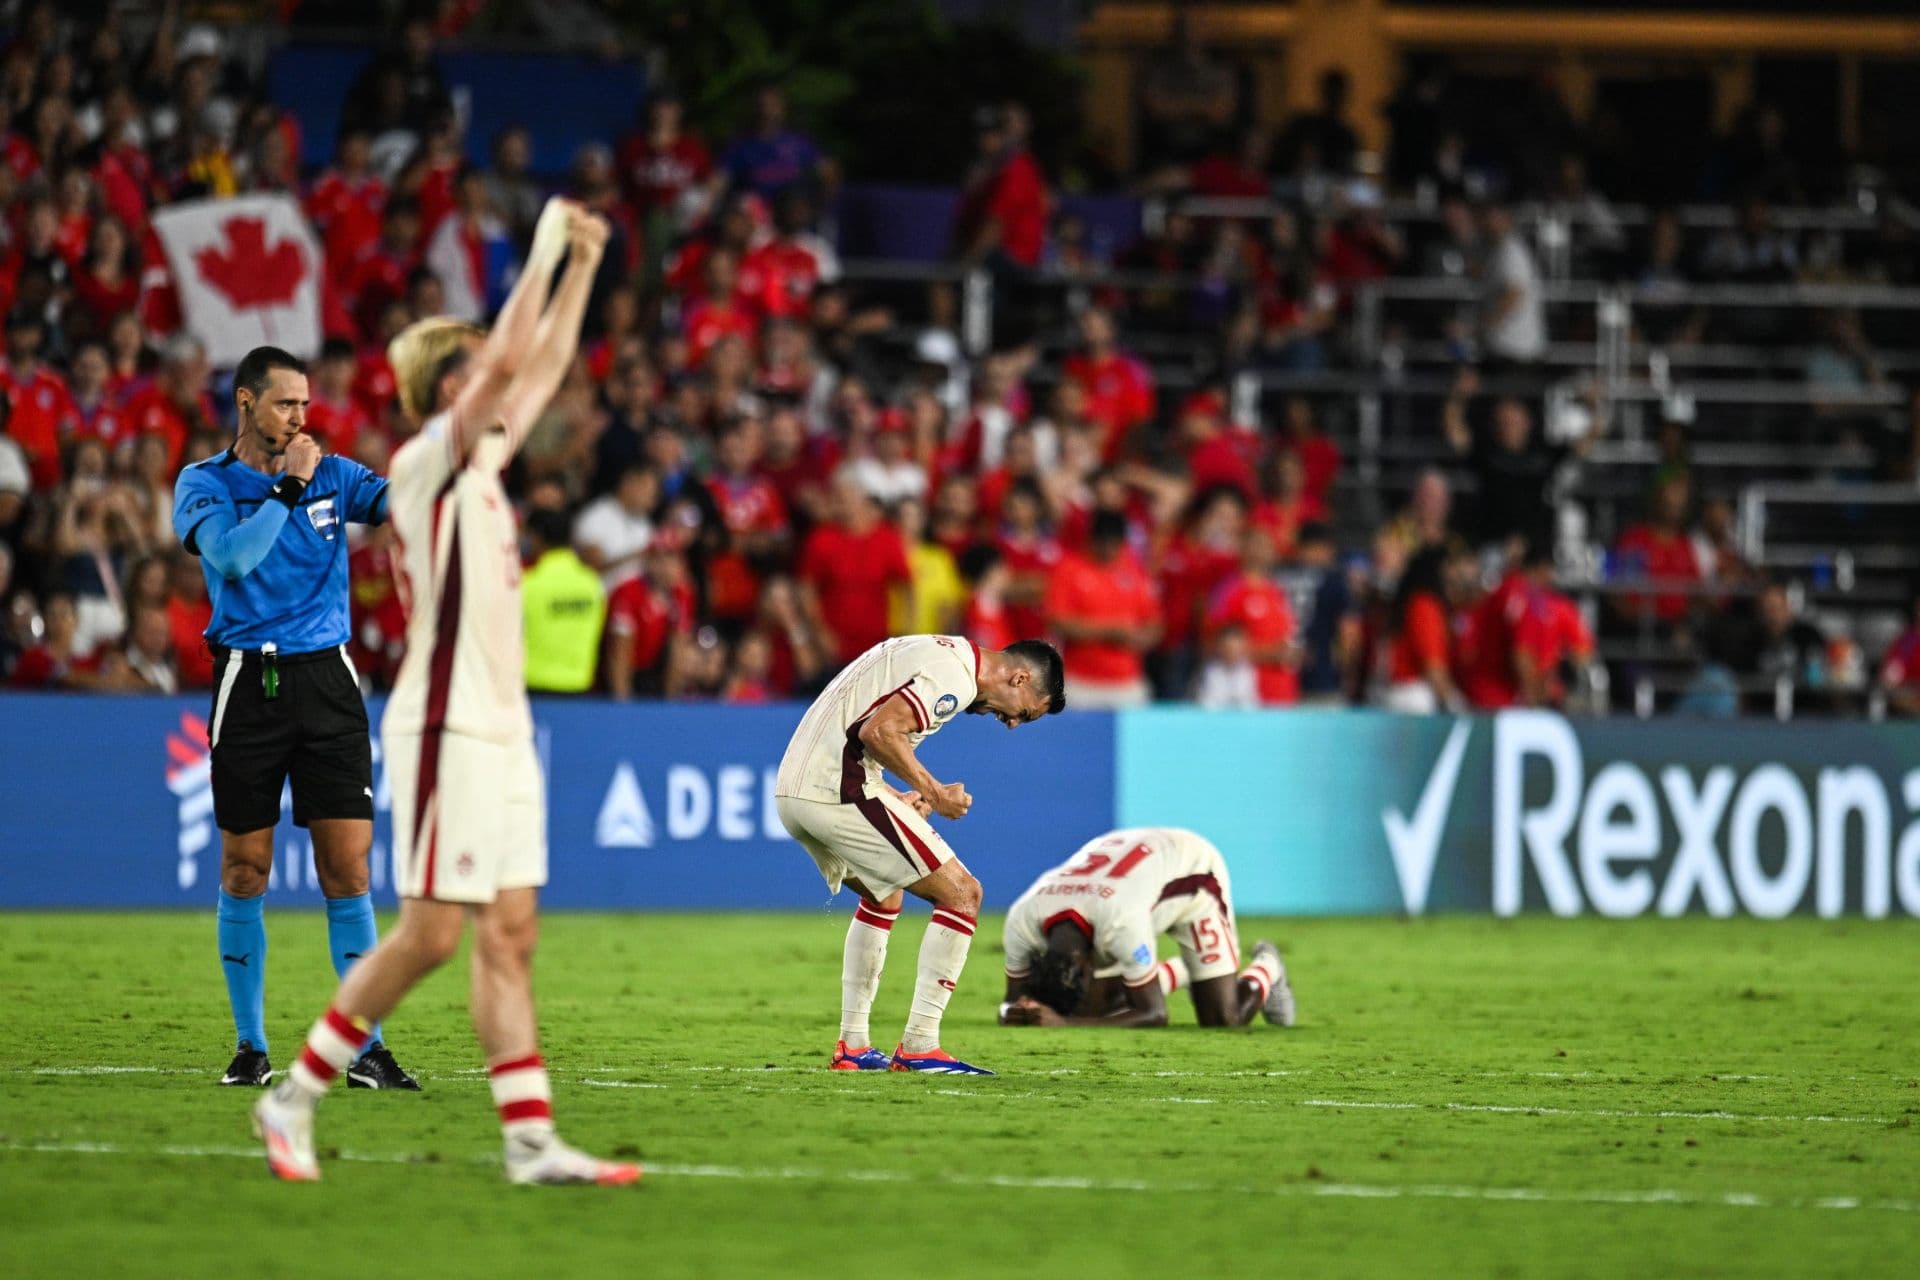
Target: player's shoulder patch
(945, 706)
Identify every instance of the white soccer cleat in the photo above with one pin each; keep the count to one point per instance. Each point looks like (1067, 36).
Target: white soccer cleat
(552, 1163)
(1279, 1006)
(287, 1130)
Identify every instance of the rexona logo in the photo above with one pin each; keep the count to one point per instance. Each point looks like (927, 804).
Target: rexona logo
(1601, 843)
(732, 802)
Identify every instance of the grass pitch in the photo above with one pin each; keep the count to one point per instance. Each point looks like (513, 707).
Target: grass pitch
(1463, 1097)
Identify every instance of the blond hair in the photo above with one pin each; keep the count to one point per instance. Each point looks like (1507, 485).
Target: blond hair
(419, 353)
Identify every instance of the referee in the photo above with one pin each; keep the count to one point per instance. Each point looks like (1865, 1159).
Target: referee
(268, 520)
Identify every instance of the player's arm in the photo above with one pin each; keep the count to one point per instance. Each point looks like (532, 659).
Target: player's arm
(211, 528)
(1144, 1006)
(557, 337)
(884, 735)
(509, 345)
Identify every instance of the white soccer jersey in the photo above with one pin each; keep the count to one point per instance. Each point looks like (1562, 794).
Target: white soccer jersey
(1123, 890)
(459, 571)
(938, 676)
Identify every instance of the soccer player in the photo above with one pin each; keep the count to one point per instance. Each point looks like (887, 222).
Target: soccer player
(469, 813)
(1081, 942)
(863, 833)
(268, 520)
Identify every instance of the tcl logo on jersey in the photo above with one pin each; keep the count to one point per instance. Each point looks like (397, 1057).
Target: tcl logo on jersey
(733, 802)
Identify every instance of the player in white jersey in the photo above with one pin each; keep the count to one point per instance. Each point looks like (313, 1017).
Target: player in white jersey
(1082, 943)
(833, 799)
(469, 815)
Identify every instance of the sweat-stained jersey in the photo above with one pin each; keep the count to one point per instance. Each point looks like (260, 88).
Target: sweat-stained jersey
(939, 676)
(1123, 890)
(459, 576)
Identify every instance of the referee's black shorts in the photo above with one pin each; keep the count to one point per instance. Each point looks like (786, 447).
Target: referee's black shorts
(315, 731)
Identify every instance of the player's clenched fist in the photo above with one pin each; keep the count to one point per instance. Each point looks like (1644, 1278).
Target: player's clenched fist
(586, 234)
(949, 800)
(303, 455)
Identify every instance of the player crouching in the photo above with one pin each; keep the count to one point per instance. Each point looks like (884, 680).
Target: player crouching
(1081, 943)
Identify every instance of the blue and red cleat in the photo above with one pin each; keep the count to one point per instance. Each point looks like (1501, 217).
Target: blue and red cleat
(867, 1059)
(938, 1061)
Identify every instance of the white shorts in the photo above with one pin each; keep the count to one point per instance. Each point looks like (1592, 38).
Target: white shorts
(1205, 931)
(469, 816)
(879, 841)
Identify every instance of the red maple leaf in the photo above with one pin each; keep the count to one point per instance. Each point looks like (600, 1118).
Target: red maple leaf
(247, 271)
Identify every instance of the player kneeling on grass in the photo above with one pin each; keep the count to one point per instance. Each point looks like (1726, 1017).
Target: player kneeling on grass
(469, 817)
(1081, 943)
(861, 832)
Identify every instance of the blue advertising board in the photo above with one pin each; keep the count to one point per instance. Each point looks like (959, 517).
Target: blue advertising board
(106, 803)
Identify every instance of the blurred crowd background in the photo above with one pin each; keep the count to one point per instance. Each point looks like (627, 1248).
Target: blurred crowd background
(1467, 396)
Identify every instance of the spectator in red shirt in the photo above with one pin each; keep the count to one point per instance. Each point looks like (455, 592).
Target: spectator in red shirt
(1205, 553)
(176, 405)
(106, 285)
(1217, 453)
(42, 410)
(1253, 602)
(188, 615)
(846, 570)
(1659, 550)
(1118, 388)
(986, 621)
(1302, 436)
(751, 679)
(379, 275)
(97, 413)
(1419, 676)
(753, 521)
(345, 204)
(127, 358)
(1900, 670)
(1031, 555)
(1286, 508)
(780, 275)
(58, 657)
(644, 614)
(661, 165)
(721, 312)
(1002, 220)
(334, 418)
(1105, 610)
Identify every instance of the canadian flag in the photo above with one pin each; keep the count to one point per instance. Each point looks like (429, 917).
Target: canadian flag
(247, 270)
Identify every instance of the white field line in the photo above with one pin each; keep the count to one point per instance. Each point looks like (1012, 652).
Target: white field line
(1334, 1190)
(990, 1091)
(1603, 1113)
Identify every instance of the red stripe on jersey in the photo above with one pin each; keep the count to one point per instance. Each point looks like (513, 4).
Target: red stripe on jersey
(853, 778)
(959, 924)
(877, 816)
(919, 707)
(439, 687)
(528, 1109)
(344, 1027)
(976, 664)
(529, 1063)
(1073, 918)
(1184, 885)
(927, 856)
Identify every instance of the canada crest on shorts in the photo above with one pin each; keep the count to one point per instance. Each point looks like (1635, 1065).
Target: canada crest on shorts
(946, 706)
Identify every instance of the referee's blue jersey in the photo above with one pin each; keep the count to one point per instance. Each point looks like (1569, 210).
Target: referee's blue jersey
(296, 597)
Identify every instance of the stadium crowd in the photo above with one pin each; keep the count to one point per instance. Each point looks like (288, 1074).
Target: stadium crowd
(746, 482)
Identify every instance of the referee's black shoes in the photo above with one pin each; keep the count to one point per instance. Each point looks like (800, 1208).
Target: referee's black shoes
(249, 1068)
(376, 1069)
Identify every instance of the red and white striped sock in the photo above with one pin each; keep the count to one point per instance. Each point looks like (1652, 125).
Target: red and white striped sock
(1173, 975)
(1262, 975)
(860, 970)
(523, 1096)
(335, 1041)
(943, 954)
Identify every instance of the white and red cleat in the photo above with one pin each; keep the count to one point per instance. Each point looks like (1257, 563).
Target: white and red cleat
(287, 1130)
(552, 1163)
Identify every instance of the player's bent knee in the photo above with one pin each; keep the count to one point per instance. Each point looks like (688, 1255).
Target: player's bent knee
(965, 895)
(242, 881)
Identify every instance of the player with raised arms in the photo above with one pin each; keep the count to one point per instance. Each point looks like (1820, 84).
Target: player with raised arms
(863, 833)
(1081, 943)
(468, 808)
